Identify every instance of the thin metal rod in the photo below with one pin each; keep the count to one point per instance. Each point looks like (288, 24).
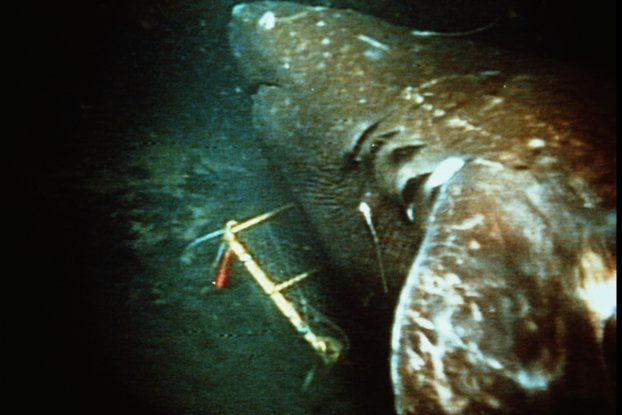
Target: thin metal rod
(240, 226)
(293, 280)
(329, 349)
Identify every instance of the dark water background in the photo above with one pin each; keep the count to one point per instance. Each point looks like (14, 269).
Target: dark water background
(155, 148)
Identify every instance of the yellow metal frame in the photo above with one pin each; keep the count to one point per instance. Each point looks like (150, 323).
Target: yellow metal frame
(329, 349)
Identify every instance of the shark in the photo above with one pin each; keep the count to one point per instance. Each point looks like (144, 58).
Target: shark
(475, 183)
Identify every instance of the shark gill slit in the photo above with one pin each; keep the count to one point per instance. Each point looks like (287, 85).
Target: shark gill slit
(354, 156)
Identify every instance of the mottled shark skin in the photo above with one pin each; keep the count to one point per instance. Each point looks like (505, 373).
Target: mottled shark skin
(487, 179)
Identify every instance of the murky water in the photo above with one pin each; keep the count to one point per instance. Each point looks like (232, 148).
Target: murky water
(158, 150)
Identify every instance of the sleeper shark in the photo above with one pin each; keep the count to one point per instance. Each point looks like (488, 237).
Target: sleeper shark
(478, 183)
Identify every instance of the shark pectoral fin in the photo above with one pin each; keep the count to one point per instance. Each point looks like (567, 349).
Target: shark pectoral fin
(484, 322)
(452, 333)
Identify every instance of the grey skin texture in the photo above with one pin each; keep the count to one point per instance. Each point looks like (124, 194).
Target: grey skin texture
(489, 182)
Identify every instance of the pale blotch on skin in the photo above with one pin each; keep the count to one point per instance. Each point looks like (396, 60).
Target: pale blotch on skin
(373, 42)
(474, 245)
(374, 55)
(493, 165)
(267, 21)
(457, 122)
(536, 143)
(493, 102)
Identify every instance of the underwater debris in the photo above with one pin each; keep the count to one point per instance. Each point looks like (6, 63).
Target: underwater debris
(328, 348)
(225, 268)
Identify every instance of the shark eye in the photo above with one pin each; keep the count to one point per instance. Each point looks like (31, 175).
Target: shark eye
(405, 152)
(356, 155)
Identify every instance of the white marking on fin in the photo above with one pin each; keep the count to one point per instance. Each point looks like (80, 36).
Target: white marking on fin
(445, 170)
(416, 361)
(424, 323)
(535, 380)
(469, 223)
(476, 313)
(598, 290)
